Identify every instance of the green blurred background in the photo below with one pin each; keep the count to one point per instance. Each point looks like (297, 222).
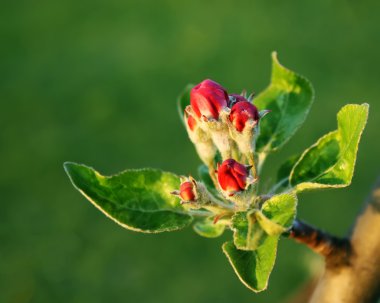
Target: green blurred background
(96, 82)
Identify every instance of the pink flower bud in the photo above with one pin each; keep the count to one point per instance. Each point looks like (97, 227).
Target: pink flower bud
(241, 112)
(208, 98)
(232, 176)
(191, 122)
(186, 191)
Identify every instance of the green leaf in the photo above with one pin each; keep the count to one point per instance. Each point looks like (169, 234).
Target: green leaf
(330, 162)
(183, 100)
(207, 228)
(278, 213)
(250, 229)
(253, 267)
(256, 233)
(139, 200)
(239, 226)
(247, 233)
(269, 226)
(289, 97)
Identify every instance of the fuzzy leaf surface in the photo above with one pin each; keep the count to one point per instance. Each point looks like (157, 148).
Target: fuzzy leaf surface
(253, 267)
(330, 162)
(138, 200)
(281, 209)
(289, 97)
(208, 229)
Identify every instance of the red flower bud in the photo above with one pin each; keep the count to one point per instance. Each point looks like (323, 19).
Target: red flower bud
(186, 191)
(232, 176)
(241, 112)
(208, 98)
(191, 122)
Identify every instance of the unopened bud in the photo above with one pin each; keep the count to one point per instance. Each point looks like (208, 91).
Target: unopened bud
(186, 192)
(241, 112)
(208, 98)
(232, 176)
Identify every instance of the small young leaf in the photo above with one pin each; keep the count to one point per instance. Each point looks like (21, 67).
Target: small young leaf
(183, 100)
(256, 234)
(330, 162)
(289, 97)
(250, 229)
(281, 209)
(247, 233)
(253, 267)
(139, 200)
(207, 228)
(269, 226)
(239, 226)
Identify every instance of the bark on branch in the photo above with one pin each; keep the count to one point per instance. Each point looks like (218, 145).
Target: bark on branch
(352, 271)
(335, 250)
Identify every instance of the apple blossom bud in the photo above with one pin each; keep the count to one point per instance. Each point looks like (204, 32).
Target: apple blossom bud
(208, 98)
(232, 176)
(241, 112)
(186, 191)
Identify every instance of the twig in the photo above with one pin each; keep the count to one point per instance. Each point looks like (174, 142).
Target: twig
(360, 281)
(352, 271)
(335, 250)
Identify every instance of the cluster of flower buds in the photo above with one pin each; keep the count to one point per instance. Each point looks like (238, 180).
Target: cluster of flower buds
(228, 123)
(218, 121)
(233, 181)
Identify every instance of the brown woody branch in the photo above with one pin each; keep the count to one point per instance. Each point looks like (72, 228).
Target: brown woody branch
(335, 250)
(352, 271)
